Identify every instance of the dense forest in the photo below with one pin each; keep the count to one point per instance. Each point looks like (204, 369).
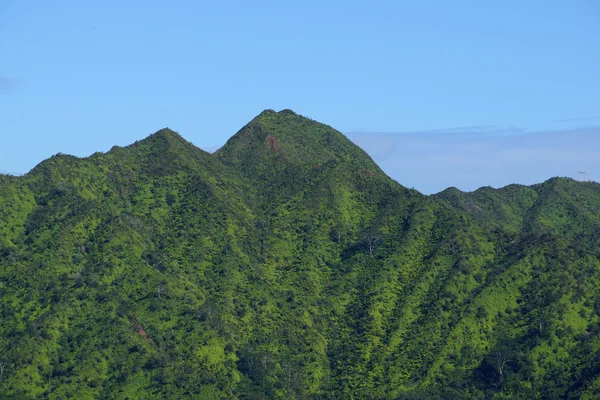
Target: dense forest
(287, 265)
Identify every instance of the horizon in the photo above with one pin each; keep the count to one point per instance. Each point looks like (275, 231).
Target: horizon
(487, 95)
(384, 148)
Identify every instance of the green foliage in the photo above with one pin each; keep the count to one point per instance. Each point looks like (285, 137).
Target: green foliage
(288, 265)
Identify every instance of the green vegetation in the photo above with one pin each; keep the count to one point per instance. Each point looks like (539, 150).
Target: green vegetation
(288, 265)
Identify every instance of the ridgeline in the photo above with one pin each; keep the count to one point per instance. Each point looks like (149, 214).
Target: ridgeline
(288, 265)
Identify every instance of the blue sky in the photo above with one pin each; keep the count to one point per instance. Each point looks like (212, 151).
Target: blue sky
(462, 93)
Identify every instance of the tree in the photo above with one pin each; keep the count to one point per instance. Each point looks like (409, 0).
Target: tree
(499, 360)
(371, 241)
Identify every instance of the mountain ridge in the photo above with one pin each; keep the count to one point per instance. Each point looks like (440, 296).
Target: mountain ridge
(169, 136)
(290, 268)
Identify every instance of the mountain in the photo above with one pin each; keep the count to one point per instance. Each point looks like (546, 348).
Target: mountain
(288, 265)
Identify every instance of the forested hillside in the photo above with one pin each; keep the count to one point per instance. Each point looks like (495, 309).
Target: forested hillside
(287, 265)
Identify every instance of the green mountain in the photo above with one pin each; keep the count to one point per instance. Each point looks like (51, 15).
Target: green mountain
(288, 265)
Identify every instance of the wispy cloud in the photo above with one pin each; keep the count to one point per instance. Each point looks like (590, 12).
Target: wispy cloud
(474, 128)
(580, 119)
(431, 161)
(7, 84)
(479, 131)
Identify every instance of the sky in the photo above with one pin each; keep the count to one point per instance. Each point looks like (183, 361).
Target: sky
(461, 93)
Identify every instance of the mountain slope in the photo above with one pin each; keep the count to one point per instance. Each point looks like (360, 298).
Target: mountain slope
(286, 138)
(288, 265)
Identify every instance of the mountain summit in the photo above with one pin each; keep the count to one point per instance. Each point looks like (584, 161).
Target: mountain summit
(287, 265)
(290, 139)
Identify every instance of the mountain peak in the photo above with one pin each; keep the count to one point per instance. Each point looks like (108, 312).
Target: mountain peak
(164, 151)
(166, 132)
(165, 136)
(273, 140)
(285, 111)
(165, 141)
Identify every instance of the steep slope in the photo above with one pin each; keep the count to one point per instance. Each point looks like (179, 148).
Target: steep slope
(323, 205)
(545, 312)
(103, 241)
(288, 265)
(282, 153)
(284, 138)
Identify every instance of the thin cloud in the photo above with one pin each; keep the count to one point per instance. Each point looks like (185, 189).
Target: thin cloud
(429, 131)
(479, 130)
(576, 119)
(474, 128)
(431, 162)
